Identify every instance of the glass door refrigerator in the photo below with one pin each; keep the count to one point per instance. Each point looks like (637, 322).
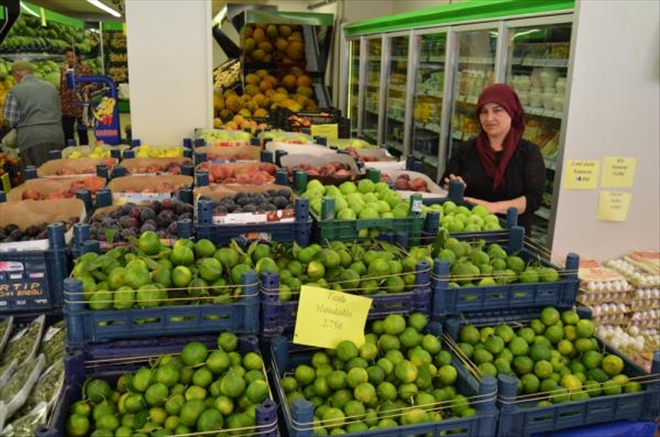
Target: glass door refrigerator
(396, 89)
(427, 99)
(536, 67)
(354, 104)
(474, 68)
(372, 98)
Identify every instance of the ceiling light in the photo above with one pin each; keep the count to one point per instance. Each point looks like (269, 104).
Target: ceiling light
(104, 7)
(28, 10)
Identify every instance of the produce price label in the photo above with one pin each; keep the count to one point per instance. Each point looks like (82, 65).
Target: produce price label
(618, 172)
(326, 317)
(581, 174)
(329, 131)
(613, 206)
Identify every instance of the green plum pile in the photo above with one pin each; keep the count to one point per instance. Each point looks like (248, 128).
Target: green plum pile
(149, 274)
(377, 268)
(455, 218)
(556, 356)
(364, 200)
(198, 390)
(481, 264)
(399, 376)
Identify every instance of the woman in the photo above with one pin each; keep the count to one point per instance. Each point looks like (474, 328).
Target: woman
(499, 168)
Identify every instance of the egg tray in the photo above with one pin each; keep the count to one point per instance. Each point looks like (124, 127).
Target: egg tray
(600, 298)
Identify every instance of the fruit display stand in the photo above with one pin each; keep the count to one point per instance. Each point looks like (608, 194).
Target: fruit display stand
(284, 224)
(146, 189)
(100, 151)
(285, 137)
(299, 413)
(227, 154)
(221, 137)
(172, 318)
(404, 292)
(73, 167)
(32, 271)
(154, 167)
(625, 392)
(468, 289)
(89, 379)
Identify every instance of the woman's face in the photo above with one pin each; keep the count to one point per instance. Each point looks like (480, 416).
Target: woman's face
(494, 120)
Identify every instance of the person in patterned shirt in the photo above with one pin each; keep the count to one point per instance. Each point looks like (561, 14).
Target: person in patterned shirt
(71, 98)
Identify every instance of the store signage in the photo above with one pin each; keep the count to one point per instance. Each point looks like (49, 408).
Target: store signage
(326, 317)
(618, 172)
(613, 206)
(329, 131)
(581, 174)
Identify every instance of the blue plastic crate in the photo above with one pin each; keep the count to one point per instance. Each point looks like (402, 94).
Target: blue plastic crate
(299, 230)
(78, 369)
(520, 417)
(88, 326)
(298, 417)
(453, 301)
(36, 283)
(278, 316)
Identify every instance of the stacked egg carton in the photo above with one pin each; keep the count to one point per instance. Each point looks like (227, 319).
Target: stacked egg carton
(642, 270)
(607, 293)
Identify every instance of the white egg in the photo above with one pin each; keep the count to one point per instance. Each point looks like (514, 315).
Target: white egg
(615, 343)
(633, 330)
(591, 286)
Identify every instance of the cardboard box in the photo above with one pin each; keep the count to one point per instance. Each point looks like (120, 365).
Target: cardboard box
(216, 192)
(435, 192)
(233, 153)
(46, 186)
(142, 189)
(26, 213)
(73, 167)
(153, 166)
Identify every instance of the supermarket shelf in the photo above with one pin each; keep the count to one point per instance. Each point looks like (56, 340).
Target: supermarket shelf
(537, 62)
(399, 58)
(550, 163)
(36, 56)
(401, 88)
(396, 118)
(430, 93)
(432, 65)
(433, 127)
(373, 59)
(476, 60)
(469, 100)
(396, 145)
(373, 84)
(436, 59)
(543, 212)
(549, 113)
(426, 159)
(461, 136)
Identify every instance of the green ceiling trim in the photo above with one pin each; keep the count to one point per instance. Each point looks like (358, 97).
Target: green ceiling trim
(113, 25)
(469, 10)
(57, 18)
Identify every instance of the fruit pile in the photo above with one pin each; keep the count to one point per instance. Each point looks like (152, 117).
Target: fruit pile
(456, 218)
(211, 136)
(265, 42)
(339, 170)
(149, 274)
(12, 232)
(147, 151)
(254, 174)
(364, 200)
(556, 356)
(399, 376)
(82, 170)
(404, 183)
(224, 157)
(171, 168)
(271, 200)
(196, 391)
(379, 268)
(96, 152)
(91, 184)
(483, 265)
(130, 220)
(10, 164)
(355, 153)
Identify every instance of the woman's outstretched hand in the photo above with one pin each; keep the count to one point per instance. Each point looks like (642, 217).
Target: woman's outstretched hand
(453, 177)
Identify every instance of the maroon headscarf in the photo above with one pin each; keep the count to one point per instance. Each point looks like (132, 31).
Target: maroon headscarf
(507, 98)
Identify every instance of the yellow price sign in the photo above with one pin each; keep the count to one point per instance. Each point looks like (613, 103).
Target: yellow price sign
(581, 174)
(618, 172)
(329, 131)
(326, 317)
(613, 206)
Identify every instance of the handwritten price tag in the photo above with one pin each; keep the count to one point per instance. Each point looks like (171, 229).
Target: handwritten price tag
(326, 317)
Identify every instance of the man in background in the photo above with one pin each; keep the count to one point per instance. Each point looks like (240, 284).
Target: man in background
(71, 107)
(32, 107)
